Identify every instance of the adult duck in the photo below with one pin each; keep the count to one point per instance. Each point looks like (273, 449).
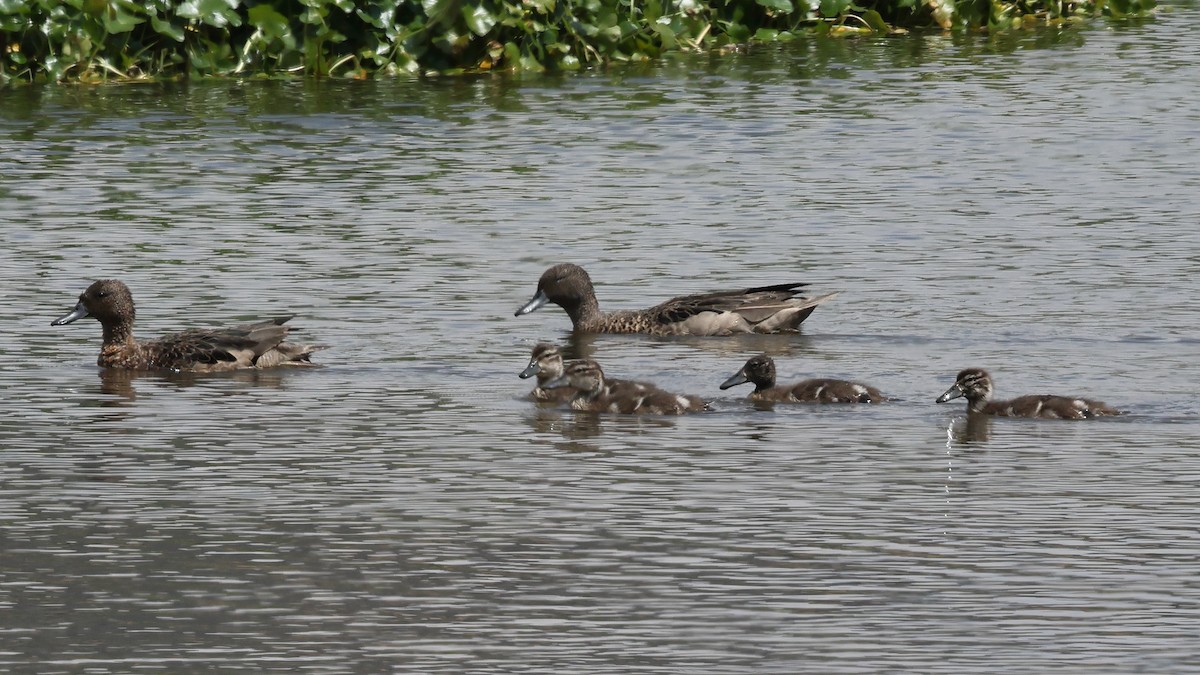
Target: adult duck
(255, 345)
(763, 309)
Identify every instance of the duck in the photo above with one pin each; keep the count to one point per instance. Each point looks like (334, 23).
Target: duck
(546, 362)
(594, 393)
(975, 385)
(254, 345)
(760, 370)
(763, 309)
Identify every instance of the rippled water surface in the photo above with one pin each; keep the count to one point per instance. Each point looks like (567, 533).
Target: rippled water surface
(1028, 204)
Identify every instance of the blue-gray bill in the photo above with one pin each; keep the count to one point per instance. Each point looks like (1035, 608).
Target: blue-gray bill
(951, 394)
(538, 300)
(74, 315)
(738, 378)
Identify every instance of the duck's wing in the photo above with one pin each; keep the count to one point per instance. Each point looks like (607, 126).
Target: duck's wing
(244, 346)
(763, 309)
(835, 391)
(1051, 407)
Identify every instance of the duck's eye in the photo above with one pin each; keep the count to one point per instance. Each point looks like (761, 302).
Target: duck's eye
(101, 294)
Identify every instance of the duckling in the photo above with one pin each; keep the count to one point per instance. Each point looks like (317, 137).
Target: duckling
(596, 394)
(760, 370)
(256, 345)
(975, 385)
(764, 309)
(547, 363)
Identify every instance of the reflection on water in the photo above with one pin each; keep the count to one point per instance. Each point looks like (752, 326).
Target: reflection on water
(971, 428)
(1009, 201)
(577, 428)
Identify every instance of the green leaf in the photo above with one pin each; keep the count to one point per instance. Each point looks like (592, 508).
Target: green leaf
(834, 8)
(876, 22)
(737, 32)
(166, 28)
(371, 18)
(512, 53)
(435, 8)
(531, 64)
(478, 19)
(314, 16)
(766, 35)
(189, 9)
(784, 6)
(120, 22)
(665, 35)
(215, 13)
(272, 24)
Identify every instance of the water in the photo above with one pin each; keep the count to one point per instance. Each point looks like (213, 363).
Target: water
(1027, 204)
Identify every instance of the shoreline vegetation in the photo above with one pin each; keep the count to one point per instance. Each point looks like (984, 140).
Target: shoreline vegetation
(106, 40)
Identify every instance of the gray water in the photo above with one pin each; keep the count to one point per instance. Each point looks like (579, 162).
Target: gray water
(1028, 204)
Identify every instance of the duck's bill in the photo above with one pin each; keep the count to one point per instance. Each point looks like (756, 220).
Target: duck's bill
(530, 370)
(739, 378)
(534, 304)
(951, 394)
(74, 315)
(558, 383)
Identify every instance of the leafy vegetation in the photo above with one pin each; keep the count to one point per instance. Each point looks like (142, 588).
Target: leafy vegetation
(53, 40)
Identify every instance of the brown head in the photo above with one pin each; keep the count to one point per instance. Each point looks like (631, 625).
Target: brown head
(759, 370)
(973, 384)
(566, 285)
(107, 300)
(584, 375)
(546, 362)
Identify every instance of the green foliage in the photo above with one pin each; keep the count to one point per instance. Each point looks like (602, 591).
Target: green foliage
(88, 40)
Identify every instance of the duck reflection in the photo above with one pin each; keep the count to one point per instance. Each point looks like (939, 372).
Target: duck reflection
(119, 388)
(570, 425)
(578, 428)
(974, 428)
(580, 346)
(583, 345)
(121, 383)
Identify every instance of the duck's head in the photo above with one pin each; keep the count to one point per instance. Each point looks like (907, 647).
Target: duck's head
(546, 362)
(565, 284)
(584, 375)
(974, 384)
(759, 370)
(107, 300)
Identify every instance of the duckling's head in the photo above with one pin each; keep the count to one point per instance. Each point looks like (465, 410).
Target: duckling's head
(974, 384)
(108, 300)
(546, 362)
(565, 284)
(759, 370)
(584, 375)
